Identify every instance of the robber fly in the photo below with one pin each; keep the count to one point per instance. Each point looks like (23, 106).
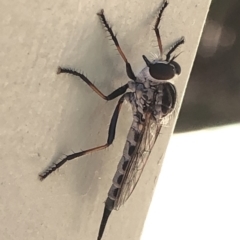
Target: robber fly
(152, 98)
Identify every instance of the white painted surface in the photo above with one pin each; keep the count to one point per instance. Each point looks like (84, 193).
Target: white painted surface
(44, 115)
(197, 194)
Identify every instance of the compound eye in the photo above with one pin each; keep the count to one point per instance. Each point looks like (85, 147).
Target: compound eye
(161, 71)
(177, 67)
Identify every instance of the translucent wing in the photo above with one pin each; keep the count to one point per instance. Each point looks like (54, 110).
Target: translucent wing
(140, 156)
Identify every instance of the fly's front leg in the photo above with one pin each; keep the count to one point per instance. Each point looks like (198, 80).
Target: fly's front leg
(156, 29)
(111, 136)
(114, 38)
(111, 96)
(173, 48)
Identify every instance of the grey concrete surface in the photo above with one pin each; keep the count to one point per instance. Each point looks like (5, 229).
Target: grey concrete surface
(44, 115)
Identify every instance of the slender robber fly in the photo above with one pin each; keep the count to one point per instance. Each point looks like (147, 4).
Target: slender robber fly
(152, 97)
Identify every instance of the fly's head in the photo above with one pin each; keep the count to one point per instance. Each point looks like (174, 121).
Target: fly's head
(161, 70)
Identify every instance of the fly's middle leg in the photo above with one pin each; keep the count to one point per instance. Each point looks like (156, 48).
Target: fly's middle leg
(109, 97)
(105, 23)
(111, 136)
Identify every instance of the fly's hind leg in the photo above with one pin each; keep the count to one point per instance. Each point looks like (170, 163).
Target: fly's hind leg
(109, 97)
(111, 136)
(114, 38)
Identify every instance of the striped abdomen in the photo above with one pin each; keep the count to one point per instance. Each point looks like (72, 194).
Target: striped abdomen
(130, 145)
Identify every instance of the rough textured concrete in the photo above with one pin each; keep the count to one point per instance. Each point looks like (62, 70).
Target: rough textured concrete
(44, 115)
